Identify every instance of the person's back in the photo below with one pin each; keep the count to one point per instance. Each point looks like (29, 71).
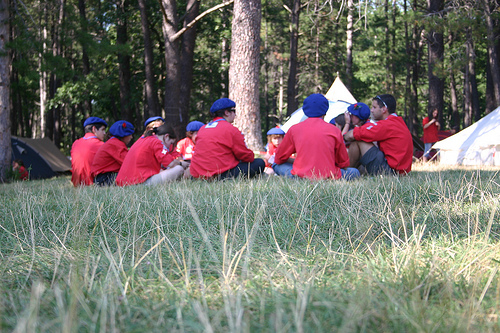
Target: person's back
(220, 147)
(84, 149)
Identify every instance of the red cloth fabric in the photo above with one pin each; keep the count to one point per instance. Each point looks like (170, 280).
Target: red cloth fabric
(23, 173)
(431, 132)
(145, 158)
(219, 147)
(82, 156)
(185, 147)
(109, 157)
(271, 149)
(394, 140)
(320, 148)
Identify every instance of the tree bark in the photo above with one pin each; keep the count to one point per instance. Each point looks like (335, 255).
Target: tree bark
(493, 57)
(173, 115)
(244, 70)
(123, 60)
(435, 57)
(292, 101)
(87, 105)
(152, 106)
(5, 146)
(187, 56)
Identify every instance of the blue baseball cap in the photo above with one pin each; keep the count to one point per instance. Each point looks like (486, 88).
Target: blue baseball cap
(95, 121)
(151, 119)
(222, 104)
(194, 126)
(276, 131)
(121, 129)
(360, 110)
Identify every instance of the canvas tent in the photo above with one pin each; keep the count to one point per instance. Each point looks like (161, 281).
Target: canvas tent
(40, 156)
(339, 98)
(478, 144)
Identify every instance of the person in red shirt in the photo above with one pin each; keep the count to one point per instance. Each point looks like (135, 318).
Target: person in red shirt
(84, 149)
(320, 148)
(431, 128)
(220, 147)
(149, 161)
(185, 147)
(394, 153)
(109, 157)
(20, 172)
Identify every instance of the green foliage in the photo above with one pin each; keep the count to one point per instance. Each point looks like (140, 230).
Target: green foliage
(415, 253)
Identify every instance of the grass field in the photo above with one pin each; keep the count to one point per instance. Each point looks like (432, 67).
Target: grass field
(413, 254)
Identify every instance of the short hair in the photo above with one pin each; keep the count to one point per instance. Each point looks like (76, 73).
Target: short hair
(340, 120)
(162, 130)
(386, 100)
(88, 128)
(220, 113)
(19, 161)
(274, 136)
(153, 124)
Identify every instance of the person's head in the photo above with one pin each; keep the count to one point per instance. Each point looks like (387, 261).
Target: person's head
(225, 108)
(97, 126)
(275, 136)
(339, 121)
(122, 130)
(435, 114)
(360, 112)
(192, 129)
(17, 163)
(383, 106)
(153, 122)
(165, 133)
(315, 106)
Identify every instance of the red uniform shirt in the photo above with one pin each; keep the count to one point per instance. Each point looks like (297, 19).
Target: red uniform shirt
(219, 147)
(185, 147)
(320, 148)
(109, 157)
(431, 132)
(82, 156)
(145, 158)
(394, 140)
(23, 173)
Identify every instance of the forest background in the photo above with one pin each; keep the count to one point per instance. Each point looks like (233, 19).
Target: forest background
(132, 59)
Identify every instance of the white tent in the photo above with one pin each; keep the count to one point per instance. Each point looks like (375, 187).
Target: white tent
(478, 144)
(339, 98)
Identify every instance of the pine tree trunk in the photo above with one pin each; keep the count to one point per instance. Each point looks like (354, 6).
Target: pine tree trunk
(244, 70)
(152, 107)
(436, 52)
(349, 44)
(493, 60)
(5, 146)
(87, 105)
(123, 61)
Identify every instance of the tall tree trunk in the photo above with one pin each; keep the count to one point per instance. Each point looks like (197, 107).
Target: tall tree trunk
(152, 103)
(87, 105)
(5, 146)
(123, 60)
(349, 44)
(187, 56)
(292, 87)
(472, 111)
(455, 117)
(388, 57)
(244, 70)
(493, 57)
(435, 58)
(43, 76)
(170, 25)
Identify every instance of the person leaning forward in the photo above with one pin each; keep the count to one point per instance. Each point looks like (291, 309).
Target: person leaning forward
(394, 153)
(220, 147)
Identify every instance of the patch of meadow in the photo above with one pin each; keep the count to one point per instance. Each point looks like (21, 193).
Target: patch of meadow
(414, 253)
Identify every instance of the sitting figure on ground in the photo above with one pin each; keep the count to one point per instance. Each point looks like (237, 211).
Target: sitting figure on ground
(320, 148)
(394, 152)
(274, 138)
(19, 170)
(109, 157)
(220, 147)
(84, 149)
(185, 147)
(150, 162)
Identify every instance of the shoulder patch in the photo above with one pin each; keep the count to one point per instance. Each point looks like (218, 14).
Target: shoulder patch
(212, 124)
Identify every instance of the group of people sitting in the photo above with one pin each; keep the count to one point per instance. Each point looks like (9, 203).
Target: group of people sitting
(311, 149)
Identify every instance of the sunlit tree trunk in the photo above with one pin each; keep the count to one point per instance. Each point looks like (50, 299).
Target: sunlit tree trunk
(5, 147)
(349, 43)
(244, 70)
